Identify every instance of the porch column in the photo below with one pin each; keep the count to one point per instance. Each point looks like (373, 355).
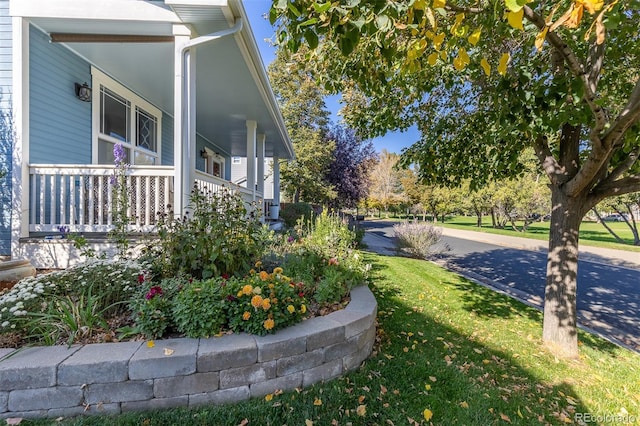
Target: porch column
(20, 154)
(251, 157)
(181, 124)
(260, 171)
(276, 181)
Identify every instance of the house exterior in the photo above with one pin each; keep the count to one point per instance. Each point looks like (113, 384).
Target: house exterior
(178, 83)
(270, 184)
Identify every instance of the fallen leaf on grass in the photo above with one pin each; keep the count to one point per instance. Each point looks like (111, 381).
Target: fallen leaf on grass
(268, 397)
(244, 422)
(433, 379)
(317, 401)
(505, 418)
(361, 410)
(427, 414)
(14, 420)
(308, 422)
(464, 404)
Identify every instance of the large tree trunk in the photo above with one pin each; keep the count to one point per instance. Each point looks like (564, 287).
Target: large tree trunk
(560, 323)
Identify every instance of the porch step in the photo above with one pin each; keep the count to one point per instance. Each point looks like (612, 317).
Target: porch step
(15, 270)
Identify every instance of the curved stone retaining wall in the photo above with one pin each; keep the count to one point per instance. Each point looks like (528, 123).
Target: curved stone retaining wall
(111, 378)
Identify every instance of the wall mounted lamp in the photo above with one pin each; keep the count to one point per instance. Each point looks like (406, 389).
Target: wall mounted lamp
(83, 92)
(203, 153)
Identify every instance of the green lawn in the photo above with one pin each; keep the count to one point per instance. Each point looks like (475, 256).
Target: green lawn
(591, 233)
(467, 354)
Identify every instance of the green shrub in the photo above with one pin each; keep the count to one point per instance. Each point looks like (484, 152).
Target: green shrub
(416, 239)
(217, 237)
(152, 306)
(199, 308)
(291, 213)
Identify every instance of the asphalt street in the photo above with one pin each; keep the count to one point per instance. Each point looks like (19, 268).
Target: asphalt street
(608, 288)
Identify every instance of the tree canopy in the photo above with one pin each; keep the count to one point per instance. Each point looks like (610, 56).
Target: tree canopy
(483, 80)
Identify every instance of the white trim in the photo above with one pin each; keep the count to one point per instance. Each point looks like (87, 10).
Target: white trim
(99, 79)
(20, 154)
(119, 10)
(251, 156)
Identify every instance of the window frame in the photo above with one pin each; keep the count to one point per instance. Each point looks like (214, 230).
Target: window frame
(99, 80)
(210, 158)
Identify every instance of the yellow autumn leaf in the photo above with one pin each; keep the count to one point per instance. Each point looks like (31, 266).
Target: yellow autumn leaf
(439, 4)
(464, 404)
(438, 39)
(427, 414)
(592, 6)
(317, 401)
(575, 16)
(151, 344)
(515, 19)
(427, 387)
(540, 38)
(268, 397)
(419, 4)
(474, 38)
(361, 410)
(502, 70)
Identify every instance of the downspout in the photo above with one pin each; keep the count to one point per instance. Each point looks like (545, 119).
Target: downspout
(188, 109)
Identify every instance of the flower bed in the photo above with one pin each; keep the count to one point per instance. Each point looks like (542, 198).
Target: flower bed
(112, 378)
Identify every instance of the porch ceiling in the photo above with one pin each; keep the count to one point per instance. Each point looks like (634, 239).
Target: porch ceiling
(230, 84)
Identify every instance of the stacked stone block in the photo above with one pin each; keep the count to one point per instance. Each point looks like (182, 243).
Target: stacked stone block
(116, 377)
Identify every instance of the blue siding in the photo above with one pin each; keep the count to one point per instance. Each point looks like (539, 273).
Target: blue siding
(60, 124)
(6, 133)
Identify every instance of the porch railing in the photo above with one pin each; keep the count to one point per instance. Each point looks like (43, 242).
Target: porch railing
(215, 184)
(80, 197)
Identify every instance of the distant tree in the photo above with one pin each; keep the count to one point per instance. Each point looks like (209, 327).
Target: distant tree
(307, 119)
(349, 169)
(384, 180)
(626, 206)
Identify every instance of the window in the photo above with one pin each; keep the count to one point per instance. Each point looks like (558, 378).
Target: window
(236, 160)
(120, 116)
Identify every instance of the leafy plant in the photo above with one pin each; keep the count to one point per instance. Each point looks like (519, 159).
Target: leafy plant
(199, 308)
(152, 306)
(218, 237)
(94, 288)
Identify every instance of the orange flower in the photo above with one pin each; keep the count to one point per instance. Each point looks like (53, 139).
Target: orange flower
(247, 289)
(246, 315)
(266, 304)
(264, 275)
(268, 324)
(277, 271)
(256, 301)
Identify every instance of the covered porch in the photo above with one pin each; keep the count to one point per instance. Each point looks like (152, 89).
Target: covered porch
(180, 84)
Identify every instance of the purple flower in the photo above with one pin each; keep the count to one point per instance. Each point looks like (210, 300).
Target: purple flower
(113, 180)
(290, 239)
(119, 154)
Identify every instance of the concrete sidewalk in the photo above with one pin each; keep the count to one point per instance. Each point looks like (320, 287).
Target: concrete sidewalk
(627, 259)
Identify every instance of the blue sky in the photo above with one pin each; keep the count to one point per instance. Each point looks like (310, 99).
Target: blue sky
(262, 30)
